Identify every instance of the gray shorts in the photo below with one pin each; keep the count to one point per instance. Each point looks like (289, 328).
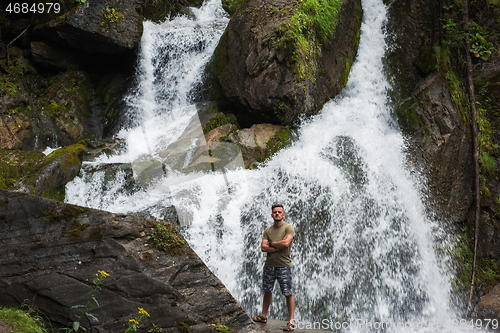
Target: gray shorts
(282, 274)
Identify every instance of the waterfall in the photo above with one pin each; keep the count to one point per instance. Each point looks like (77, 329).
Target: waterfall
(363, 251)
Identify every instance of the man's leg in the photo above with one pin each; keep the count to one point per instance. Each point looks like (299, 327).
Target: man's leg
(285, 280)
(290, 304)
(268, 278)
(268, 297)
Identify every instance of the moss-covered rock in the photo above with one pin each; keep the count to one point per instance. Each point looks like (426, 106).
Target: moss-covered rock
(14, 164)
(261, 141)
(58, 168)
(279, 61)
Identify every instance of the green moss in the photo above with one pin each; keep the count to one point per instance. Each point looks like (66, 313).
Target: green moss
(408, 117)
(183, 327)
(220, 58)
(67, 158)
(75, 231)
(15, 164)
(311, 25)
(233, 5)
(280, 140)
(167, 239)
(219, 120)
(69, 213)
(53, 109)
(58, 193)
(72, 151)
(22, 321)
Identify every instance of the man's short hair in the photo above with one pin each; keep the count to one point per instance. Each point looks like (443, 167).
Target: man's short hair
(277, 205)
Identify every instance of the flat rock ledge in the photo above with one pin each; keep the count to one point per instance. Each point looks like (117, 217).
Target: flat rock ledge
(52, 251)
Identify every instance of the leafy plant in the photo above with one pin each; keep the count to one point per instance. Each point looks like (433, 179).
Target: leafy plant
(81, 2)
(91, 303)
(479, 46)
(166, 238)
(110, 16)
(135, 322)
(220, 328)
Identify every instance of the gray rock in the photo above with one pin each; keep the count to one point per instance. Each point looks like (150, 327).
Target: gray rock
(98, 26)
(52, 251)
(443, 145)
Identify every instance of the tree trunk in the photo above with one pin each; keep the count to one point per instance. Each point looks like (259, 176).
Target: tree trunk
(475, 147)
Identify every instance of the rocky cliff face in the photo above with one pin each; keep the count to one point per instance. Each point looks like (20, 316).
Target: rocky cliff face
(433, 110)
(51, 253)
(267, 75)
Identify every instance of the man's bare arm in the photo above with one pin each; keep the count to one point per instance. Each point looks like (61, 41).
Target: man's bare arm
(284, 243)
(264, 247)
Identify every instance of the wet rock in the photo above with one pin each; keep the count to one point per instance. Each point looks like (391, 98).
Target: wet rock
(97, 26)
(440, 140)
(263, 78)
(443, 145)
(261, 141)
(52, 252)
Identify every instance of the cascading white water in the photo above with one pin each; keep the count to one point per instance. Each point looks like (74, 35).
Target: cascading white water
(363, 252)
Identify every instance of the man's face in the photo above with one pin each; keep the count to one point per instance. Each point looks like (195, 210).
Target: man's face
(278, 214)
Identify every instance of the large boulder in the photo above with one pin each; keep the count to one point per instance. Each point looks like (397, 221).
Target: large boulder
(52, 252)
(48, 178)
(97, 26)
(273, 66)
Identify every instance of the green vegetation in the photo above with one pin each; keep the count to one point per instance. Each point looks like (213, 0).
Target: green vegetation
(219, 120)
(221, 328)
(91, 303)
(484, 39)
(22, 321)
(312, 24)
(167, 239)
(233, 5)
(73, 150)
(110, 16)
(183, 327)
(487, 272)
(81, 2)
(15, 164)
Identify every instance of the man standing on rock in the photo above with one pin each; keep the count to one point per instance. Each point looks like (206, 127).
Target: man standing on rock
(277, 241)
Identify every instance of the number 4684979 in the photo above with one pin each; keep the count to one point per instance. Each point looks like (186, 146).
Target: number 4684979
(26, 8)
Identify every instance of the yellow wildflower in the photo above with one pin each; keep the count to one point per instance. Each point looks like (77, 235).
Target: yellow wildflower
(143, 312)
(103, 273)
(134, 322)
